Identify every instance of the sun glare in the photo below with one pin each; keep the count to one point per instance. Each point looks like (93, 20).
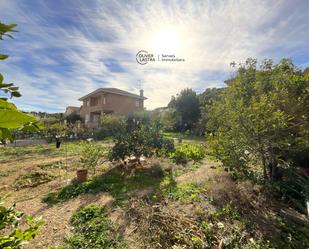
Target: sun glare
(166, 40)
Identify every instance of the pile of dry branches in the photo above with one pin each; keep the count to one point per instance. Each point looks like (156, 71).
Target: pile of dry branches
(161, 226)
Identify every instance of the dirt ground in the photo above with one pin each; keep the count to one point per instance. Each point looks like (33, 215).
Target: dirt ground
(57, 217)
(29, 200)
(220, 186)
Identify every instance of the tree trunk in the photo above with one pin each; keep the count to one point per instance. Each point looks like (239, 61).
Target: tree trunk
(264, 164)
(273, 165)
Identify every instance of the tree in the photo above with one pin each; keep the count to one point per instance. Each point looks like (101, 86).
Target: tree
(262, 119)
(139, 138)
(187, 106)
(10, 117)
(207, 99)
(73, 117)
(169, 119)
(91, 154)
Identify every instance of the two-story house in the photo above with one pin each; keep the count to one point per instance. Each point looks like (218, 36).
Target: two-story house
(109, 100)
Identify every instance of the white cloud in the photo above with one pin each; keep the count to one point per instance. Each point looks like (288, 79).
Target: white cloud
(68, 61)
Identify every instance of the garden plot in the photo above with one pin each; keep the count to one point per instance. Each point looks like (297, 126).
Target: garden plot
(158, 204)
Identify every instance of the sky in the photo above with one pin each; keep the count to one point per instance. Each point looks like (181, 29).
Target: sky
(65, 49)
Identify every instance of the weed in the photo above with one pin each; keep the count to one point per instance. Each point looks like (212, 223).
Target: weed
(92, 229)
(52, 165)
(184, 192)
(293, 235)
(32, 180)
(5, 173)
(179, 170)
(188, 152)
(226, 212)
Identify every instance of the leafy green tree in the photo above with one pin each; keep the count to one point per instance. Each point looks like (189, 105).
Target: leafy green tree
(90, 155)
(111, 123)
(73, 117)
(262, 119)
(10, 117)
(206, 99)
(187, 106)
(169, 119)
(138, 139)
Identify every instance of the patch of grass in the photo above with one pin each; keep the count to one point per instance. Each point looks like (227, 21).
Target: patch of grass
(180, 169)
(184, 192)
(5, 173)
(118, 183)
(226, 212)
(52, 165)
(9, 153)
(92, 229)
(32, 180)
(184, 136)
(188, 152)
(24, 152)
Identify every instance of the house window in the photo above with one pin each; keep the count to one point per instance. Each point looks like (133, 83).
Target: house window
(88, 102)
(104, 101)
(136, 103)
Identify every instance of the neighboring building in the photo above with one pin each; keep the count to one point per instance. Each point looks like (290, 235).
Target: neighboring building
(108, 100)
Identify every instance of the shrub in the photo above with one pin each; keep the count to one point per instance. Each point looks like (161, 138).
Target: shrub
(184, 192)
(109, 126)
(92, 229)
(261, 119)
(293, 189)
(11, 236)
(91, 153)
(137, 140)
(165, 146)
(188, 152)
(73, 118)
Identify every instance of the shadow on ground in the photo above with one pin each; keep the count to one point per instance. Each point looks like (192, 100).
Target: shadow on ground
(119, 182)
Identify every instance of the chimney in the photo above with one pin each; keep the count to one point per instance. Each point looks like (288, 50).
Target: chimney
(141, 93)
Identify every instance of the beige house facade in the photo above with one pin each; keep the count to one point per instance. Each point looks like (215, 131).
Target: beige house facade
(109, 101)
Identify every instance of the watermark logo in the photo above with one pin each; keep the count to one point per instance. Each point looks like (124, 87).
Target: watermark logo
(143, 57)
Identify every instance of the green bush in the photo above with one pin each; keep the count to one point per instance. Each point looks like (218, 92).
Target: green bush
(90, 154)
(293, 235)
(92, 229)
(184, 192)
(109, 126)
(138, 140)
(101, 134)
(12, 237)
(293, 189)
(188, 152)
(165, 146)
(261, 122)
